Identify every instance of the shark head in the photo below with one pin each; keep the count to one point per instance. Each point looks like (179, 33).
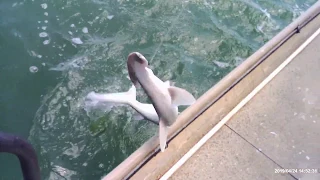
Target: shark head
(136, 62)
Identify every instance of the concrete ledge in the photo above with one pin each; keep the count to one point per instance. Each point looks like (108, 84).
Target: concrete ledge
(215, 104)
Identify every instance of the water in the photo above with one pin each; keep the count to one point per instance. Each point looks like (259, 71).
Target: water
(53, 53)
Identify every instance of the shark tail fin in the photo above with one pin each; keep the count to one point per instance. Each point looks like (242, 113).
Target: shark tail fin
(163, 130)
(132, 93)
(122, 97)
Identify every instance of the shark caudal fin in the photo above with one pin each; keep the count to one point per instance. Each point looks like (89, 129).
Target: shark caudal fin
(122, 97)
(132, 93)
(163, 130)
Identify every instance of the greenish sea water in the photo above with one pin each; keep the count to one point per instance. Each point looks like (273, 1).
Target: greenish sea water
(53, 53)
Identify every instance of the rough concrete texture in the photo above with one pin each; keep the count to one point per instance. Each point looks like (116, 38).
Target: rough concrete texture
(228, 156)
(282, 120)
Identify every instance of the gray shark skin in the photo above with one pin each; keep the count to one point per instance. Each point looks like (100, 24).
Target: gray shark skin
(164, 98)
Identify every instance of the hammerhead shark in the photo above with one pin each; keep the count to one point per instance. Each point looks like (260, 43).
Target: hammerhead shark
(164, 98)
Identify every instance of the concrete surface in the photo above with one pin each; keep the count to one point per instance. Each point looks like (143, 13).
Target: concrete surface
(228, 156)
(282, 120)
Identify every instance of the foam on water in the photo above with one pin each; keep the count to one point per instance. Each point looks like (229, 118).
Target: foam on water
(110, 17)
(43, 34)
(46, 42)
(76, 62)
(85, 30)
(77, 41)
(221, 64)
(44, 5)
(33, 69)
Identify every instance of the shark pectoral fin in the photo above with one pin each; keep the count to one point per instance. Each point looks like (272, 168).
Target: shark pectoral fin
(137, 116)
(180, 96)
(163, 130)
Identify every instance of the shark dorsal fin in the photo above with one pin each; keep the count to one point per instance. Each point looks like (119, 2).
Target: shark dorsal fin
(180, 97)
